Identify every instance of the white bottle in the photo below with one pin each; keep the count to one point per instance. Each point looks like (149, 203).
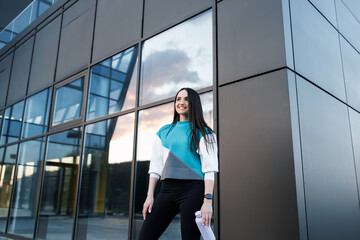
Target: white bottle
(206, 232)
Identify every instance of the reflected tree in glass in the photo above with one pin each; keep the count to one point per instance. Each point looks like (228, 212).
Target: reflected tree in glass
(26, 191)
(36, 114)
(112, 85)
(106, 177)
(7, 170)
(179, 57)
(12, 123)
(58, 197)
(68, 102)
(150, 121)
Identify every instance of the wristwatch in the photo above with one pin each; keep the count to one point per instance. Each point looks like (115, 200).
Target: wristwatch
(208, 196)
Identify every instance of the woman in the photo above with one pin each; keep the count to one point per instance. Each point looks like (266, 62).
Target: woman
(184, 158)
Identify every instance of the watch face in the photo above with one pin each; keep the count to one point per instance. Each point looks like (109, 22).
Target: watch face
(208, 196)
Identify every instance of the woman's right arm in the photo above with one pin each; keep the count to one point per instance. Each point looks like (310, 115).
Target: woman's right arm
(148, 204)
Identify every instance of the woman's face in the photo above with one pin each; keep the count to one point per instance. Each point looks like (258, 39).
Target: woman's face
(182, 103)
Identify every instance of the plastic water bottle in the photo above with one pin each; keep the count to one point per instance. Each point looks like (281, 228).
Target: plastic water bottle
(206, 232)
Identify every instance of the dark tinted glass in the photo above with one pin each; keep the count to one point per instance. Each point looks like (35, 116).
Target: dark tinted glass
(150, 121)
(24, 202)
(68, 102)
(12, 123)
(105, 186)
(178, 57)
(58, 196)
(36, 114)
(7, 169)
(112, 84)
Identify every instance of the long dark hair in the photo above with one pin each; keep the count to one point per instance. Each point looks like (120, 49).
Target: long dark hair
(196, 120)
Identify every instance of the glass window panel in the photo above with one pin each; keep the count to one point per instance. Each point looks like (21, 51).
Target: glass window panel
(150, 121)
(12, 123)
(68, 102)
(7, 171)
(58, 198)
(179, 57)
(26, 190)
(112, 85)
(106, 177)
(36, 114)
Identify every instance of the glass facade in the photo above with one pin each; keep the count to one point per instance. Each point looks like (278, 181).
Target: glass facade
(68, 102)
(7, 172)
(106, 177)
(77, 180)
(112, 85)
(36, 114)
(12, 123)
(181, 56)
(27, 186)
(58, 197)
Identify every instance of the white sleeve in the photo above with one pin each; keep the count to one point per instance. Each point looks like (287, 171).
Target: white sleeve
(156, 160)
(208, 157)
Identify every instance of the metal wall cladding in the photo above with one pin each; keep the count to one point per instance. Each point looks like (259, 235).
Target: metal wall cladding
(159, 14)
(20, 72)
(351, 65)
(257, 179)
(5, 67)
(76, 38)
(118, 24)
(250, 37)
(316, 48)
(332, 201)
(44, 57)
(355, 133)
(327, 8)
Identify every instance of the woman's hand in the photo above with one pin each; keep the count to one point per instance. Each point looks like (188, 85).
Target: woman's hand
(206, 212)
(147, 207)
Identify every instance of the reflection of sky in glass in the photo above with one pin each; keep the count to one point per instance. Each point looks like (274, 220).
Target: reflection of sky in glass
(151, 120)
(12, 123)
(36, 114)
(112, 85)
(179, 57)
(68, 101)
(121, 143)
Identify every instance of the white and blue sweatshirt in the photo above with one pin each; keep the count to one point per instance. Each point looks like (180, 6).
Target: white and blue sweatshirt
(172, 158)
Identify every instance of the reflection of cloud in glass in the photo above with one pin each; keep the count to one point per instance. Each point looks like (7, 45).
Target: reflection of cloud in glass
(151, 120)
(179, 57)
(121, 143)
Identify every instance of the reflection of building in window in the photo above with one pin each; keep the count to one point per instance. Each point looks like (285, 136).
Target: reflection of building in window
(109, 83)
(12, 123)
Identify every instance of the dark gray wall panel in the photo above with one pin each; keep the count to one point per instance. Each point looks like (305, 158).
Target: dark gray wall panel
(330, 184)
(351, 64)
(327, 8)
(20, 72)
(257, 179)
(44, 57)
(76, 38)
(250, 38)
(5, 67)
(162, 13)
(295, 129)
(316, 48)
(118, 23)
(355, 132)
(348, 25)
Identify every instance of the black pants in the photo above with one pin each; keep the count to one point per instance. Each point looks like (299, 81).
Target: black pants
(184, 196)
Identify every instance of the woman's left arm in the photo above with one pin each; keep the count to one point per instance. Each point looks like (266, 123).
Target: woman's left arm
(206, 208)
